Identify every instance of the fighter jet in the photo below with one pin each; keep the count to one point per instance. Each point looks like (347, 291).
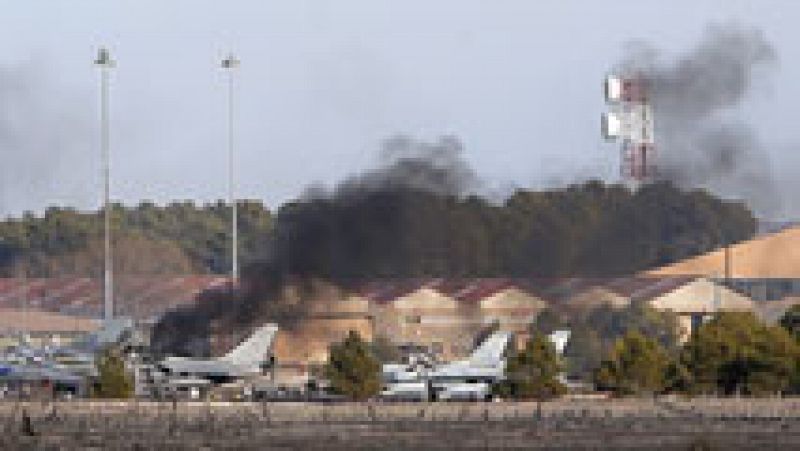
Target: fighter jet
(244, 360)
(471, 378)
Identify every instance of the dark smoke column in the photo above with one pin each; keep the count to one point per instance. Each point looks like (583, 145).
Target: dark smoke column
(630, 119)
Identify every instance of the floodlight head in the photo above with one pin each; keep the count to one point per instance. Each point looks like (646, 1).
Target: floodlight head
(612, 87)
(629, 88)
(104, 58)
(230, 62)
(611, 126)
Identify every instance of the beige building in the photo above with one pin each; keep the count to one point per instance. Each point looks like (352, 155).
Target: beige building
(418, 312)
(448, 315)
(512, 308)
(693, 299)
(43, 327)
(773, 255)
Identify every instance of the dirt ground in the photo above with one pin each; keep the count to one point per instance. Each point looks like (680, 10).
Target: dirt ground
(567, 424)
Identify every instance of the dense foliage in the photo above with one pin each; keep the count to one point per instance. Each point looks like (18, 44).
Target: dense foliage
(148, 239)
(595, 332)
(533, 372)
(352, 369)
(736, 353)
(113, 379)
(636, 364)
(791, 321)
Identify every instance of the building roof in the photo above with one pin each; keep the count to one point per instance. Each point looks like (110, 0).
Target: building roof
(37, 321)
(384, 291)
(772, 255)
(149, 297)
(477, 289)
(646, 288)
(551, 290)
(561, 290)
(136, 296)
(466, 290)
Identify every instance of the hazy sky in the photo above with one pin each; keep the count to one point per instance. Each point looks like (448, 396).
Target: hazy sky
(323, 82)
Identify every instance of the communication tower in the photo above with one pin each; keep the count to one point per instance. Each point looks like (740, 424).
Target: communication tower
(629, 120)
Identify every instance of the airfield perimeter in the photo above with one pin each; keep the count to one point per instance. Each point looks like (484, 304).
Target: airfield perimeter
(629, 423)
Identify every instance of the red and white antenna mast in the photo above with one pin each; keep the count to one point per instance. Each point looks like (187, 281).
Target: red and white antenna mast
(630, 120)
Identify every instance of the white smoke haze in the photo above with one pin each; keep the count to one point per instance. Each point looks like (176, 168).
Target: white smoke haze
(45, 142)
(694, 95)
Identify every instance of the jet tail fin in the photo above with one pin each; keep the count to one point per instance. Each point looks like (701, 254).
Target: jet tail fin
(250, 353)
(491, 351)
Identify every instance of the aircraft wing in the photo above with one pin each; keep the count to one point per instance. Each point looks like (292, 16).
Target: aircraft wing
(466, 370)
(202, 367)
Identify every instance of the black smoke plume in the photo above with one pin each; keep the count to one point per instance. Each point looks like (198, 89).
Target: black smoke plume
(419, 215)
(694, 95)
(386, 222)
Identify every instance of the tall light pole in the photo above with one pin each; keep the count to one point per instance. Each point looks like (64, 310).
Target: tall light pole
(229, 64)
(105, 64)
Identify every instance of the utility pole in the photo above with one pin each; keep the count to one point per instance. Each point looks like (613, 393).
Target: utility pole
(229, 64)
(105, 64)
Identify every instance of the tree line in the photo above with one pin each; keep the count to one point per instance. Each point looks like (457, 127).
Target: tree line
(734, 353)
(584, 229)
(178, 238)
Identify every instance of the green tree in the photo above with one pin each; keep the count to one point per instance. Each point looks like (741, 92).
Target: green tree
(352, 369)
(636, 365)
(791, 321)
(735, 352)
(595, 333)
(113, 380)
(533, 372)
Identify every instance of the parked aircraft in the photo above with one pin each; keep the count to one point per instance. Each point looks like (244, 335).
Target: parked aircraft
(245, 359)
(471, 378)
